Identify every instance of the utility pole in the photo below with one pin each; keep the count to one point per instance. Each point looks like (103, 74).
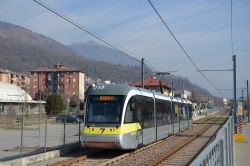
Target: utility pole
(234, 85)
(172, 88)
(142, 72)
(247, 102)
(242, 94)
(183, 86)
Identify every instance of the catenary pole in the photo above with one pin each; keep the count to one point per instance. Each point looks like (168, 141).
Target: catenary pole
(234, 85)
(248, 110)
(142, 72)
(242, 95)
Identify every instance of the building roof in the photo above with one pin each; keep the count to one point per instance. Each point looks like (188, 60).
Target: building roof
(58, 68)
(13, 93)
(11, 72)
(151, 82)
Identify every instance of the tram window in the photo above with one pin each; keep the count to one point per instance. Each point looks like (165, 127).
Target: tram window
(177, 113)
(190, 111)
(183, 112)
(180, 111)
(163, 112)
(108, 111)
(129, 115)
(144, 111)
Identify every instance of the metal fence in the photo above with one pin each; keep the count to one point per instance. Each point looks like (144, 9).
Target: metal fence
(220, 150)
(23, 135)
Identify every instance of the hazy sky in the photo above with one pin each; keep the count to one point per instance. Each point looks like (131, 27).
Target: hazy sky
(202, 26)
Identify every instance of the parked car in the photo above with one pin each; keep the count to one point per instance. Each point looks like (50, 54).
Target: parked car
(80, 117)
(69, 119)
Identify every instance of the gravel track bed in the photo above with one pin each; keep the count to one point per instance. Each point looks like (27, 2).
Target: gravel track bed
(186, 154)
(99, 157)
(149, 155)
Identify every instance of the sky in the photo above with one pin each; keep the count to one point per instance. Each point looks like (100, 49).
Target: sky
(201, 26)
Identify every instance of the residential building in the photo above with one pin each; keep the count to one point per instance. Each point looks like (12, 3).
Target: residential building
(18, 79)
(183, 94)
(61, 79)
(154, 84)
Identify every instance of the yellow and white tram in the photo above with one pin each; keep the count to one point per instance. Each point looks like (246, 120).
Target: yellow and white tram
(120, 116)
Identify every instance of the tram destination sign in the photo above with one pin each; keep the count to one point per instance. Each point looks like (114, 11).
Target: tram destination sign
(106, 98)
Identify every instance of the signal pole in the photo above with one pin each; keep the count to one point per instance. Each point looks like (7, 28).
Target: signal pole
(142, 72)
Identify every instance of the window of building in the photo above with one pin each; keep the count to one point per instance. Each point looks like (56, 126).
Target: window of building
(74, 86)
(74, 80)
(61, 87)
(49, 76)
(34, 86)
(61, 79)
(74, 93)
(34, 79)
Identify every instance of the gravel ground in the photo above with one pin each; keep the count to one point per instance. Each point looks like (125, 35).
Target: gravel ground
(31, 140)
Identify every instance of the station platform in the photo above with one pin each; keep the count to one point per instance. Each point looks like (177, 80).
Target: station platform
(242, 149)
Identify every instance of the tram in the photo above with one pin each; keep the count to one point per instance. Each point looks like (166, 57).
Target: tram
(120, 116)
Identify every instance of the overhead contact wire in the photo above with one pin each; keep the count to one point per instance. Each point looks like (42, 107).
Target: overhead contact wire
(71, 21)
(182, 48)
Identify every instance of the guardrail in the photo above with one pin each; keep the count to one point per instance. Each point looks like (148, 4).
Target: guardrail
(220, 151)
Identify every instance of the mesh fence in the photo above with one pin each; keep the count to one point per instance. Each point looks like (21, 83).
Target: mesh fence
(27, 134)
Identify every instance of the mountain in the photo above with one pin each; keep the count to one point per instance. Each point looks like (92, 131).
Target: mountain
(22, 50)
(96, 51)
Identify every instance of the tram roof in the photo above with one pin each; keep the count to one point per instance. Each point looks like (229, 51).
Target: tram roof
(124, 89)
(111, 89)
(115, 89)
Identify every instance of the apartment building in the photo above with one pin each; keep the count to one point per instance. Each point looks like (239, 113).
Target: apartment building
(18, 79)
(61, 79)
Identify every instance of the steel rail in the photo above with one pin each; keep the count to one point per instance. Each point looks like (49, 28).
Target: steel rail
(70, 161)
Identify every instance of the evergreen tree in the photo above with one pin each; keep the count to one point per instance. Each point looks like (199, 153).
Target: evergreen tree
(54, 104)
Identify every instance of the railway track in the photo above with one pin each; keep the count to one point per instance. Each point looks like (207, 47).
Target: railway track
(178, 149)
(95, 157)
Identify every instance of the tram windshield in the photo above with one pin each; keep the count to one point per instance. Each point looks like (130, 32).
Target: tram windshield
(104, 109)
